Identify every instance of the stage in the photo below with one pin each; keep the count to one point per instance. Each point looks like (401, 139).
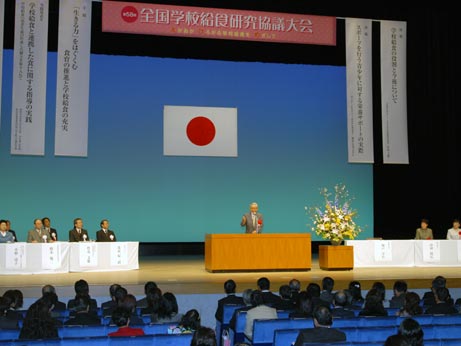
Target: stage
(187, 275)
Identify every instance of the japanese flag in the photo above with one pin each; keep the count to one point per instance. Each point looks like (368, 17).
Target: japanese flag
(199, 131)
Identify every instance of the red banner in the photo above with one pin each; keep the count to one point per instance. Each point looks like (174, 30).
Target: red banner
(166, 20)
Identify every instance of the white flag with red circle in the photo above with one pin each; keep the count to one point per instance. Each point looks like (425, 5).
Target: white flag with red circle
(199, 131)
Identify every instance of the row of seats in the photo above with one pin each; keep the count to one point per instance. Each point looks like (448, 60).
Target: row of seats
(145, 340)
(90, 331)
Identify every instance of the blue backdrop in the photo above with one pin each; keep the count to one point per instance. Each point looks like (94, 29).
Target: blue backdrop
(292, 140)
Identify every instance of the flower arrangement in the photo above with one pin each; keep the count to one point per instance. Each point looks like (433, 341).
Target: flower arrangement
(334, 222)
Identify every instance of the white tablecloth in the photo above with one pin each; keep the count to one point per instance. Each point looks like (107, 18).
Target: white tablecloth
(62, 257)
(406, 253)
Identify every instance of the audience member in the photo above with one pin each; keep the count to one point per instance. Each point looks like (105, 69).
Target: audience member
(119, 294)
(149, 285)
(189, 323)
(411, 330)
(230, 298)
(269, 298)
(261, 311)
(153, 303)
(322, 331)
(246, 295)
(313, 291)
(38, 323)
(327, 287)
(400, 289)
(121, 317)
(112, 303)
(168, 309)
(397, 340)
(82, 291)
(442, 305)
(429, 297)
(204, 336)
(381, 289)
(411, 305)
(58, 306)
(303, 307)
(7, 322)
(286, 303)
(373, 304)
(16, 301)
(354, 295)
(83, 316)
(339, 304)
(295, 286)
(129, 303)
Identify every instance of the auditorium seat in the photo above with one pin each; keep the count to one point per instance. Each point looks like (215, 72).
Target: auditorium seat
(102, 340)
(451, 342)
(445, 331)
(9, 334)
(228, 312)
(88, 331)
(446, 319)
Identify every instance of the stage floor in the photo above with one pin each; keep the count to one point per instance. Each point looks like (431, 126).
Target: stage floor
(187, 275)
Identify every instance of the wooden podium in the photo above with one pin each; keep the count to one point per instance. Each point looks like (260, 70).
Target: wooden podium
(233, 252)
(339, 257)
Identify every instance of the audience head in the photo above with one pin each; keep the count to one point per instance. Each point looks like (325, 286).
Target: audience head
(439, 281)
(340, 299)
(129, 303)
(322, 316)
(304, 303)
(191, 320)
(285, 292)
(328, 283)
(355, 290)
(81, 288)
(120, 293)
(16, 298)
(373, 301)
(153, 298)
(295, 285)
(257, 298)
(441, 294)
(204, 336)
(264, 284)
(121, 316)
(411, 304)
(148, 286)
(381, 289)
(112, 289)
(230, 286)
(400, 287)
(396, 340)
(411, 330)
(170, 298)
(48, 289)
(5, 304)
(246, 295)
(313, 290)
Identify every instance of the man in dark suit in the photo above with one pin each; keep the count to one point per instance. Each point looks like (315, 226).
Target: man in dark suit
(322, 331)
(83, 316)
(269, 298)
(58, 306)
(327, 287)
(78, 233)
(105, 234)
(340, 302)
(398, 299)
(230, 298)
(442, 304)
(8, 228)
(253, 221)
(47, 226)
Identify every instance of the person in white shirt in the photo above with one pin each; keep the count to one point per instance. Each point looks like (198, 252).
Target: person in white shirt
(455, 232)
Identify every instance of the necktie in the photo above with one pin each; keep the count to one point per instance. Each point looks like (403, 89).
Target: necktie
(254, 220)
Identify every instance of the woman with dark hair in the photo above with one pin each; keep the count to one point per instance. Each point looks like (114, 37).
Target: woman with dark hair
(411, 330)
(190, 322)
(38, 323)
(6, 322)
(411, 305)
(16, 300)
(354, 295)
(153, 303)
(204, 336)
(168, 309)
(381, 289)
(303, 306)
(121, 317)
(373, 304)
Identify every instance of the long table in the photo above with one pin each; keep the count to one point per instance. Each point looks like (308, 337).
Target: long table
(406, 253)
(64, 257)
(228, 252)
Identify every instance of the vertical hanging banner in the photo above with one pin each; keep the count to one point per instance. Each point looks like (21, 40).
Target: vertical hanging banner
(2, 21)
(73, 78)
(29, 77)
(359, 90)
(394, 91)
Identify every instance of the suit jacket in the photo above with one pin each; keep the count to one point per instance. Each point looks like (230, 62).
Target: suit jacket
(14, 235)
(249, 223)
(33, 235)
(51, 231)
(261, 312)
(271, 299)
(84, 319)
(101, 236)
(327, 296)
(441, 309)
(75, 237)
(397, 302)
(229, 299)
(342, 312)
(319, 335)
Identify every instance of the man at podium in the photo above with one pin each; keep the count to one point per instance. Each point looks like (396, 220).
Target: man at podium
(253, 221)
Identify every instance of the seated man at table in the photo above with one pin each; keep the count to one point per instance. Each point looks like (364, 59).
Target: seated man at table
(322, 331)
(78, 233)
(38, 234)
(47, 226)
(105, 234)
(5, 236)
(8, 228)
